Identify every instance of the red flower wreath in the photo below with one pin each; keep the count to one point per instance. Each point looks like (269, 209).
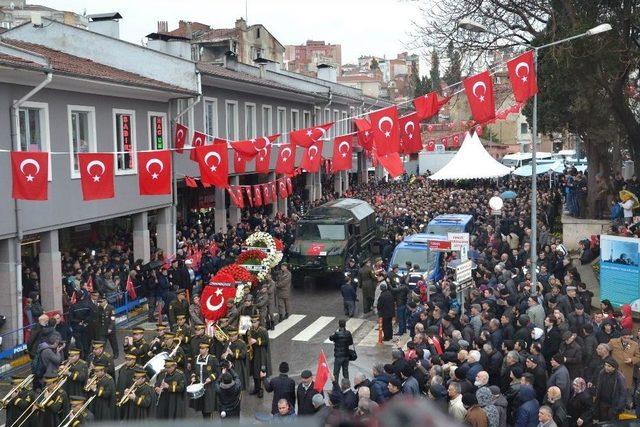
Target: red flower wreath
(239, 273)
(279, 244)
(252, 256)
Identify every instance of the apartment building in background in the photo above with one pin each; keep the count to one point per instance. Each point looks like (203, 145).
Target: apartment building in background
(305, 58)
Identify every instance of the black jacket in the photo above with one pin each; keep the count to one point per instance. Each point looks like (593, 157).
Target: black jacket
(342, 339)
(305, 405)
(282, 387)
(401, 294)
(346, 401)
(385, 304)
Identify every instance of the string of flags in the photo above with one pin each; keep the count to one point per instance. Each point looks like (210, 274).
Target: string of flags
(384, 136)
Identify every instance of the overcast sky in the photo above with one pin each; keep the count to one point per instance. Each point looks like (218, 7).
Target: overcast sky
(374, 27)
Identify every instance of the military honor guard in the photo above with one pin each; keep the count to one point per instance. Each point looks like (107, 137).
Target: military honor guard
(125, 375)
(206, 371)
(138, 400)
(76, 370)
(179, 306)
(137, 345)
(104, 388)
(173, 347)
(99, 356)
(155, 346)
(79, 414)
(107, 325)
(52, 404)
(170, 389)
(20, 398)
(199, 337)
(183, 331)
(237, 355)
(259, 354)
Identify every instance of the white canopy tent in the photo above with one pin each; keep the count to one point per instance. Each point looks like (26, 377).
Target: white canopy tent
(471, 162)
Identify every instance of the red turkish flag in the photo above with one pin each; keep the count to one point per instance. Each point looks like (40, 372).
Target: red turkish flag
(239, 162)
(199, 140)
(215, 295)
(263, 159)
(322, 373)
(235, 193)
(286, 159)
(289, 185)
(479, 130)
(312, 158)
(386, 132)
(257, 195)
(30, 175)
(445, 141)
(282, 189)
(214, 164)
(456, 140)
(522, 74)
(190, 182)
(428, 105)
(342, 153)
(431, 145)
(251, 147)
(479, 90)
(410, 133)
(131, 290)
(154, 172)
(309, 136)
(274, 191)
(180, 137)
(249, 192)
(365, 136)
(392, 163)
(266, 194)
(96, 175)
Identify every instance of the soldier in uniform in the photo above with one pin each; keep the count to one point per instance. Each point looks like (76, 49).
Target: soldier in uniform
(78, 415)
(137, 345)
(262, 305)
(107, 325)
(233, 315)
(180, 305)
(19, 400)
(183, 331)
(93, 323)
(237, 355)
(198, 338)
(104, 405)
(141, 399)
(169, 346)
(155, 346)
(76, 374)
(52, 406)
(205, 371)
(125, 376)
(170, 388)
(98, 355)
(259, 354)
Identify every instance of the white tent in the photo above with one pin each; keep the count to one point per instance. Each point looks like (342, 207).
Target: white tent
(471, 162)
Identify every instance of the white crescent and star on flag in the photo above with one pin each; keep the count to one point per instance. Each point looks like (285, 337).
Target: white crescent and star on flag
(342, 144)
(386, 119)
(96, 178)
(154, 161)
(520, 66)
(33, 162)
(218, 158)
(484, 91)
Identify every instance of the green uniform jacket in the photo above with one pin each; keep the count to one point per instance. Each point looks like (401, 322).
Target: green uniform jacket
(172, 400)
(261, 352)
(238, 357)
(104, 405)
(140, 407)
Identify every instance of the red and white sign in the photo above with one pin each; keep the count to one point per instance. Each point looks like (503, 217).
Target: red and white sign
(214, 298)
(439, 245)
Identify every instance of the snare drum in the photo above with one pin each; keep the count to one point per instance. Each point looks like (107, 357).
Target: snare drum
(195, 391)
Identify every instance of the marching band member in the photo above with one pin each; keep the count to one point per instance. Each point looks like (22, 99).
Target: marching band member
(198, 338)
(19, 400)
(155, 346)
(125, 375)
(179, 306)
(237, 355)
(56, 404)
(99, 356)
(104, 405)
(169, 345)
(170, 389)
(77, 372)
(137, 345)
(142, 398)
(205, 371)
(81, 416)
(183, 331)
(259, 354)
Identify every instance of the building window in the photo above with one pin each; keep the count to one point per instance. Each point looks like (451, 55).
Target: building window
(250, 124)
(327, 116)
(295, 120)
(231, 108)
(524, 128)
(211, 117)
(317, 115)
(281, 121)
(257, 33)
(34, 128)
(157, 131)
(344, 124)
(187, 118)
(335, 129)
(82, 134)
(125, 140)
(306, 119)
(267, 120)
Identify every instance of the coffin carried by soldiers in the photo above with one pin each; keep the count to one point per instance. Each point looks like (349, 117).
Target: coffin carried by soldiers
(327, 236)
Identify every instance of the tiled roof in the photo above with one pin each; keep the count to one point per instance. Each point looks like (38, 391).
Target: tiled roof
(181, 31)
(82, 67)
(16, 61)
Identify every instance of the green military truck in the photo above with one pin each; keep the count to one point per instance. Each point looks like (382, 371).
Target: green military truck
(327, 236)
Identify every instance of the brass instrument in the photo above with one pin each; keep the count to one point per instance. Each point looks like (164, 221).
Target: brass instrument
(38, 405)
(175, 349)
(160, 393)
(23, 384)
(69, 422)
(91, 382)
(63, 369)
(127, 395)
(219, 333)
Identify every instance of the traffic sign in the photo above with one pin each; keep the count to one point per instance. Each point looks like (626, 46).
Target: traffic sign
(463, 271)
(458, 240)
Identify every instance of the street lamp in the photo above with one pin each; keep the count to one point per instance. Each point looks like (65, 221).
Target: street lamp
(472, 26)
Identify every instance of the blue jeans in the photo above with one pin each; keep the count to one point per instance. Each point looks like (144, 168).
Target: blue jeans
(401, 314)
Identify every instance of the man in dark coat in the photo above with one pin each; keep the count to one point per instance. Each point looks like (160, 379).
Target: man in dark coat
(259, 354)
(349, 296)
(137, 345)
(125, 377)
(179, 306)
(572, 353)
(206, 371)
(386, 310)
(342, 339)
(76, 374)
(229, 392)
(342, 396)
(104, 405)
(305, 393)
(107, 325)
(142, 399)
(281, 386)
(18, 401)
(611, 396)
(56, 407)
(99, 356)
(170, 387)
(368, 284)
(539, 376)
(238, 357)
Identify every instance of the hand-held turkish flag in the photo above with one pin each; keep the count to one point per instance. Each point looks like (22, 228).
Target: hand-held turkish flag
(286, 159)
(386, 133)
(312, 158)
(309, 136)
(428, 105)
(131, 290)
(154, 172)
(410, 133)
(180, 137)
(96, 175)
(479, 90)
(342, 153)
(322, 373)
(214, 164)
(392, 164)
(263, 159)
(522, 74)
(30, 175)
(365, 136)
(282, 189)
(257, 195)
(215, 295)
(199, 140)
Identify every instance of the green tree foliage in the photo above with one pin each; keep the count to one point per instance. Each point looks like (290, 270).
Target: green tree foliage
(453, 74)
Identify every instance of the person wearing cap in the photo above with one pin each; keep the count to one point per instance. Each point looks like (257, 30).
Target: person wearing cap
(107, 325)
(56, 405)
(367, 279)
(76, 413)
(572, 353)
(104, 405)
(170, 389)
(259, 354)
(199, 336)
(125, 375)
(282, 387)
(98, 355)
(172, 346)
(560, 376)
(183, 331)
(539, 373)
(305, 393)
(611, 391)
(137, 345)
(19, 400)
(237, 355)
(76, 373)
(179, 306)
(142, 396)
(229, 392)
(195, 311)
(283, 291)
(155, 346)
(206, 371)
(626, 352)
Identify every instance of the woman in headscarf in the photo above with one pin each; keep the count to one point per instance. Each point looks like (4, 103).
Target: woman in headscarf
(485, 400)
(580, 406)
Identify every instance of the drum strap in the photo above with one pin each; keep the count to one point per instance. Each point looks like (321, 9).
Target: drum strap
(202, 363)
